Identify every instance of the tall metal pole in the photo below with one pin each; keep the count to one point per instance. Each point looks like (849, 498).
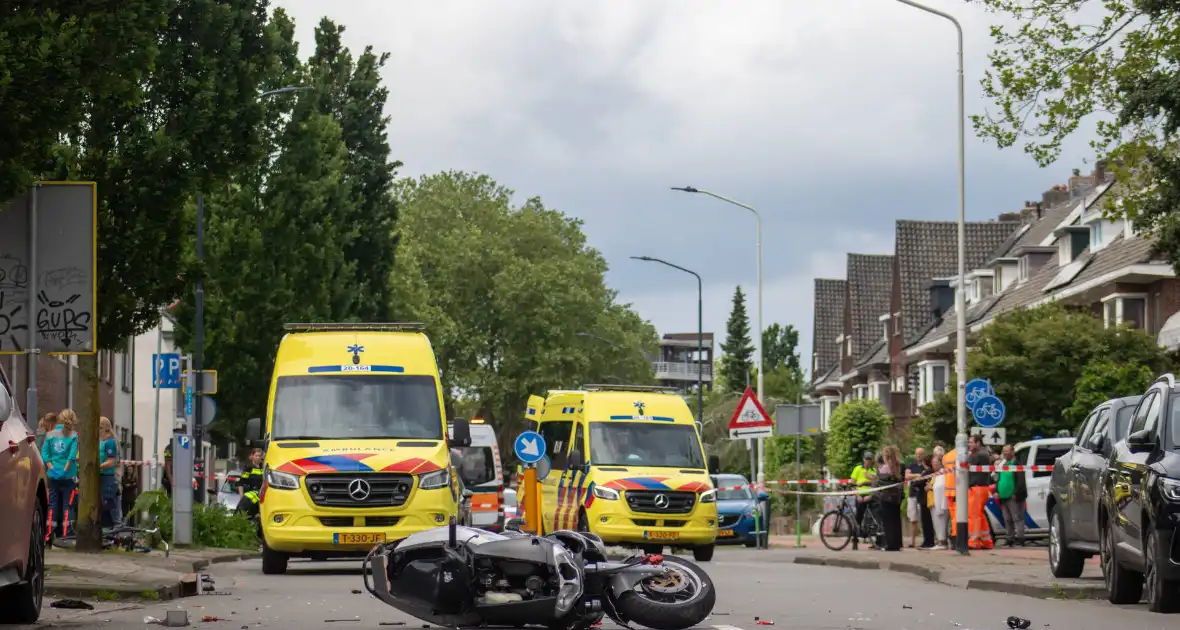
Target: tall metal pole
(758, 247)
(198, 351)
(700, 328)
(32, 351)
(961, 487)
(156, 425)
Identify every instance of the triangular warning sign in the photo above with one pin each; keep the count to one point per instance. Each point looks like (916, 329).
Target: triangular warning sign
(750, 419)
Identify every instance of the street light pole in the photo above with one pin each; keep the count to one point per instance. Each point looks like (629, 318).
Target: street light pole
(758, 248)
(961, 488)
(700, 330)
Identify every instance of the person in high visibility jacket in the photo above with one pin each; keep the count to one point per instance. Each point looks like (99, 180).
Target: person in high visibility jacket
(979, 534)
(250, 484)
(863, 477)
(950, 464)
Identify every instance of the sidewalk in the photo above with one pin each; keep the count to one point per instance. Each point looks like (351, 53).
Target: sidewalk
(122, 575)
(1020, 570)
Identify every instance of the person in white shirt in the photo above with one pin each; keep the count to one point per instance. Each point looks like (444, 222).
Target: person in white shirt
(939, 510)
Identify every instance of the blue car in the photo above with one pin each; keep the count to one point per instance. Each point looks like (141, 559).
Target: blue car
(736, 504)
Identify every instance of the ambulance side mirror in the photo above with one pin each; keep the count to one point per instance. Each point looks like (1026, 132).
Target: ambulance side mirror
(254, 430)
(460, 432)
(576, 461)
(714, 465)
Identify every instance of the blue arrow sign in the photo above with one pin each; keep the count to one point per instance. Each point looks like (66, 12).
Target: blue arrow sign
(977, 388)
(530, 447)
(166, 371)
(989, 411)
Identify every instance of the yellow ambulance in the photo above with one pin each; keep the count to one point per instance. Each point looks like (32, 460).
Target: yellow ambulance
(355, 438)
(626, 463)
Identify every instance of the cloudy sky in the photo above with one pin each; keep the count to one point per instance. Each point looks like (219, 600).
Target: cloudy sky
(833, 117)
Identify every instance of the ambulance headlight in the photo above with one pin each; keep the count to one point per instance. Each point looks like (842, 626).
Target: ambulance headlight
(281, 480)
(435, 480)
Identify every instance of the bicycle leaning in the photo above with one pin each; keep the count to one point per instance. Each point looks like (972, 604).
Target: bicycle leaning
(839, 526)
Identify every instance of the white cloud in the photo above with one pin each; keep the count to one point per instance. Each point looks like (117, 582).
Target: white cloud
(833, 117)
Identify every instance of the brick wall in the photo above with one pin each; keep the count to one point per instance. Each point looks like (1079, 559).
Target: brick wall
(52, 386)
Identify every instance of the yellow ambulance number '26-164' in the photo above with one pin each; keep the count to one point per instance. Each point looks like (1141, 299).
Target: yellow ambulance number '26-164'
(356, 449)
(626, 463)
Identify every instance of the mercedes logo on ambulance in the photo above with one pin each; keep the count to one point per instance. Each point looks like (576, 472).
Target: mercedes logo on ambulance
(662, 501)
(359, 490)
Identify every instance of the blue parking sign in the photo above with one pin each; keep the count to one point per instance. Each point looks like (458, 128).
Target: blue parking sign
(166, 371)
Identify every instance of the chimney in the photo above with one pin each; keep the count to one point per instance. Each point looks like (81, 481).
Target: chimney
(1100, 173)
(1055, 195)
(942, 298)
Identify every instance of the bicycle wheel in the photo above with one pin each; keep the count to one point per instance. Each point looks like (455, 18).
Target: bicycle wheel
(870, 527)
(835, 530)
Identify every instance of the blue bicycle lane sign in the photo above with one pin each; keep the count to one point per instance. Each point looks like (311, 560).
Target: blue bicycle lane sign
(977, 388)
(989, 411)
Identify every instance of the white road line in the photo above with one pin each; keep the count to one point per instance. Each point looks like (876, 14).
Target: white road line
(726, 628)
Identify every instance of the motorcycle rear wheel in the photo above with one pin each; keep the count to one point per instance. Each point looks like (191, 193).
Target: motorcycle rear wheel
(680, 601)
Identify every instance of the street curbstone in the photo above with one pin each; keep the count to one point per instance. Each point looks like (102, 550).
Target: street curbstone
(61, 590)
(1055, 591)
(812, 560)
(847, 563)
(916, 569)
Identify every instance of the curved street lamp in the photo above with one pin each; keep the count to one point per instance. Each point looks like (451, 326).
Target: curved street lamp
(700, 329)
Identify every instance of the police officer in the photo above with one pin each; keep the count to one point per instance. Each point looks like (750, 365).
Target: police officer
(250, 483)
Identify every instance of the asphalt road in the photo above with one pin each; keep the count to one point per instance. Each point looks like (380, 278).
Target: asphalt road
(750, 586)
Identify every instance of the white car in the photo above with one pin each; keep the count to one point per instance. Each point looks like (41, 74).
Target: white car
(1043, 452)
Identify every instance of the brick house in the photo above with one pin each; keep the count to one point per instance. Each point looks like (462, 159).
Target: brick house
(864, 343)
(1060, 249)
(827, 329)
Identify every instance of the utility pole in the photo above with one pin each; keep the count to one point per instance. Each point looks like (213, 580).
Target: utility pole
(198, 350)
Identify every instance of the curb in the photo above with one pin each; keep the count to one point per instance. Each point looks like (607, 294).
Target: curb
(1054, 591)
(160, 591)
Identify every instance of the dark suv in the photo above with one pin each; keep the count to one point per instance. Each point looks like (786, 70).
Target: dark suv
(1140, 511)
(1075, 488)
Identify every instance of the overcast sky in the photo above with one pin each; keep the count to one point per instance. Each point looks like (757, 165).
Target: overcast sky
(833, 117)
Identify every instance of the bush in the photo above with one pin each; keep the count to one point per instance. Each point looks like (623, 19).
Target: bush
(856, 426)
(213, 525)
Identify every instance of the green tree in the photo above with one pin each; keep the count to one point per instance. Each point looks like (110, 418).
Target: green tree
(326, 196)
(1034, 359)
(1058, 63)
(856, 426)
(507, 293)
(780, 347)
(1102, 380)
(737, 365)
(176, 114)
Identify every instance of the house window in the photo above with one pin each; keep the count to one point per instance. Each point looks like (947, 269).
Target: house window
(848, 346)
(885, 328)
(880, 392)
(827, 407)
(814, 363)
(1129, 309)
(1022, 269)
(860, 392)
(897, 323)
(128, 372)
(998, 280)
(1096, 236)
(932, 377)
(104, 366)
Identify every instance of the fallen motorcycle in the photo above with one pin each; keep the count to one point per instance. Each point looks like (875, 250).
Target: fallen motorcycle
(461, 576)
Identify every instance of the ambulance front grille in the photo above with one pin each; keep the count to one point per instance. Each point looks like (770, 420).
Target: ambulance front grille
(359, 490)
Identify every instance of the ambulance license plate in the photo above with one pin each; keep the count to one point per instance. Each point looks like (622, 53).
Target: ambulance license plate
(725, 533)
(661, 535)
(358, 539)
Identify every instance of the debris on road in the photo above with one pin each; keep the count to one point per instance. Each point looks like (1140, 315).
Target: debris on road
(71, 604)
(208, 618)
(357, 591)
(1016, 623)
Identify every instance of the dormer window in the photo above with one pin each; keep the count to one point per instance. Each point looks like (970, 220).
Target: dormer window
(814, 362)
(1096, 236)
(1129, 309)
(1022, 268)
(848, 345)
(884, 319)
(1071, 242)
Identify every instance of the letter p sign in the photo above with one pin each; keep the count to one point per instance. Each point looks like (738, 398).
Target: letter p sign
(166, 371)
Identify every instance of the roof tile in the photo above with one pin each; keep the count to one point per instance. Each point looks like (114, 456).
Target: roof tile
(828, 322)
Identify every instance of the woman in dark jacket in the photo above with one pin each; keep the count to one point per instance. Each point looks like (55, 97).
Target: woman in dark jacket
(890, 473)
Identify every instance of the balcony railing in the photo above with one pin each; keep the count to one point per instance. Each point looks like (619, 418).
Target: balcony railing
(682, 371)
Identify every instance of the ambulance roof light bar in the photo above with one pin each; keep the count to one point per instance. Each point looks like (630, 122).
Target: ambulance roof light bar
(651, 389)
(355, 327)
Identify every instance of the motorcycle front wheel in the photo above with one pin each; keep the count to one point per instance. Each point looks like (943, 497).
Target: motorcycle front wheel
(675, 601)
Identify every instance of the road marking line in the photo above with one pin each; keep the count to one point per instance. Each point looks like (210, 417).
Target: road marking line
(726, 628)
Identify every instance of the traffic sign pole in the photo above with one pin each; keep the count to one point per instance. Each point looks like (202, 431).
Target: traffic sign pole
(182, 468)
